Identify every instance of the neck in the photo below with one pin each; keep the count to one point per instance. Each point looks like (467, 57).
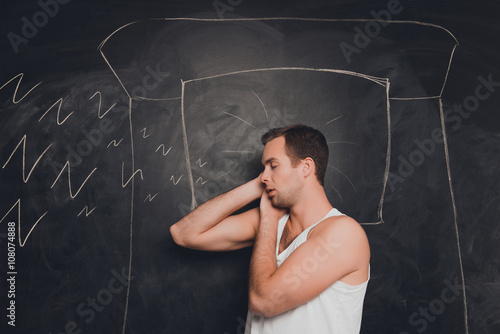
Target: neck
(312, 206)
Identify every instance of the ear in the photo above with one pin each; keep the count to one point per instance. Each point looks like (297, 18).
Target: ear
(308, 167)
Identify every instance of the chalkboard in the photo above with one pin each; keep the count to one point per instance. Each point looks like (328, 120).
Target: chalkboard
(116, 121)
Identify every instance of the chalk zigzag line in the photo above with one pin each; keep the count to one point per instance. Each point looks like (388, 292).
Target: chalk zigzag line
(173, 179)
(18, 204)
(150, 197)
(60, 101)
(144, 133)
(99, 107)
(114, 143)
(163, 149)
(86, 210)
(20, 75)
(67, 167)
(200, 180)
(200, 163)
(23, 141)
(132, 177)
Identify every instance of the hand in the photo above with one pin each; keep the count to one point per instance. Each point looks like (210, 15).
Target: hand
(255, 187)
(268, 209)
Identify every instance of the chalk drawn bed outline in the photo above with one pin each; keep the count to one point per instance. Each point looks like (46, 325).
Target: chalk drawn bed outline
(437, 97)
(384, 82)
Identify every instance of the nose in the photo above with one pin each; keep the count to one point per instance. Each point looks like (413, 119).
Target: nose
(264, 177)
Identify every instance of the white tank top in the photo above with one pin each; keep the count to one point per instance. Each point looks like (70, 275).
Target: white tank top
(337, 310)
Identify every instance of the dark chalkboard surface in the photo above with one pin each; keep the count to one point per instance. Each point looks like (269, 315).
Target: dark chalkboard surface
(118, 118)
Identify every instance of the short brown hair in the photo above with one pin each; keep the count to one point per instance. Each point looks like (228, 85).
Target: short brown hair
(302, 141)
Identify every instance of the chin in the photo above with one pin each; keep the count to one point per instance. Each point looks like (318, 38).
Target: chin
(277, 203)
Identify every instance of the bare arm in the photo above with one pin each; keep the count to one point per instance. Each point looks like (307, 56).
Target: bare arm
(337, 247)
(263, 262)
(210, 226)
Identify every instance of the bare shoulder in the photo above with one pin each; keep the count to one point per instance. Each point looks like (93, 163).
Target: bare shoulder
(343, 229)
(348, 245)
(338, 224)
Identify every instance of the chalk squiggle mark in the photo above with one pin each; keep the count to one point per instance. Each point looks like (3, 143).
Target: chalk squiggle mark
(144, 133)
(114, 143)
(86, 210)
(200, 180)
(201, 164)
(150, 197)
(173, 179)
(23, 141)
(163, 149)
(20, 75)
(67, 167)
(99, 108)
(133, 175)
(60, 101)
(18, 204)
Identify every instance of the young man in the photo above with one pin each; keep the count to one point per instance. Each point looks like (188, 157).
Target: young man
(310, 264)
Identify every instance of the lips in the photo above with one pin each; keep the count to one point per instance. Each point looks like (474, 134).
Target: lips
(270, 191)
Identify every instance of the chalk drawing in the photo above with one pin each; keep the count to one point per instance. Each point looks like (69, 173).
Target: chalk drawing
(23, 141)
(384, 82)
(333, 120)
(200, 180)
(67, 167)
(150, 197)
(144, 133)
(163, 149)
(342, 142)
(201, 164)
(241, 119)
(114, 143)
(139, 171)
(20, 76)
(59, 122)
(229, 151)
(86, 210)
(18, 204)
(99, 107)
(450, 183)
(172, 178)
(263, 107)
(350, 182)
(338, 194)
(381, 81)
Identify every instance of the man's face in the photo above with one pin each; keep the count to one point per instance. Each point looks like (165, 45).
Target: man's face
(282, 180)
